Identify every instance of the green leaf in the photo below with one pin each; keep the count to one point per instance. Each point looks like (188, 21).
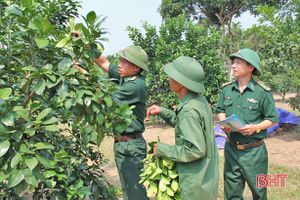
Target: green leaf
(49, 173)
(27, 3)
(3, 106)
(21, 112)
(83, 29)
(93, 53)
(170, 192)
(64, 65)
(88, 92)
(63, 42)
(31, 162)
(43, 114)
(152, 190)
(24, 149)
(51, 183)
(68, 103)
(17, 136)
(52, 120)
(86, 138)
(172, 174)
(63, 90)
(13, 9)
(41, 43)
(5, 92)
(51, 128)
(29, 68)
(39, 86)
(43, 145)
(51, 78)
(174, 185)
(2, 66)
(85, 191)
(21, 188)
(43, 24)
(74, 81)
(2, 176)
(31, 180)
(4, 146)
(71, 23)
(162, 185)
(87, 101)
(30, 132)
(44, 161)
(16, 159)
(108, 101)
(8, 120)
(15, 178)
(91, 17)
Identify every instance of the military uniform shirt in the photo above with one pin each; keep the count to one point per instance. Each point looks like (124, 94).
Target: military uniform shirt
(195, 152)
(253, 106)
(132, 90)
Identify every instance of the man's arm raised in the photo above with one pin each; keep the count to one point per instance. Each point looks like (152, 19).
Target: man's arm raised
(102, 62)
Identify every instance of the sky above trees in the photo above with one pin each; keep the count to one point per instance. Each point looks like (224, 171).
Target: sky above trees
(121, 14)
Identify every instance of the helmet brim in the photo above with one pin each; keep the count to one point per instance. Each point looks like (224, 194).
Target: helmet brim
(194, 86)
(235, 55)
(132, 60)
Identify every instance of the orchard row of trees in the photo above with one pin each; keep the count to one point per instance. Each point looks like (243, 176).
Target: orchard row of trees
(204, 30)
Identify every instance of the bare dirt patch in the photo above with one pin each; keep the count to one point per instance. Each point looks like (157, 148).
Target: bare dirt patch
(284, 149)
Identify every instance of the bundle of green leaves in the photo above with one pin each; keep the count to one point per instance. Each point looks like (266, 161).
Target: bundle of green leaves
(160, 178)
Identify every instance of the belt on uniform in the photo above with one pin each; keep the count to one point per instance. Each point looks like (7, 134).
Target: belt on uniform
(125, 138)
(246, 146)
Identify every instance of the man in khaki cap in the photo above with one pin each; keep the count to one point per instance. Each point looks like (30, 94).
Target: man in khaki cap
(130, 148)
(195, 151)
(245, 152)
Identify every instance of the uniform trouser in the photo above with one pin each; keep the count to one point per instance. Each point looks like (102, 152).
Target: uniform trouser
(128, 157)
(243, 166)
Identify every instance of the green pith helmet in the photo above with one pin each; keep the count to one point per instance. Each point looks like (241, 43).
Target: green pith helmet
(135, 55)
(188, 72)
(250, 56)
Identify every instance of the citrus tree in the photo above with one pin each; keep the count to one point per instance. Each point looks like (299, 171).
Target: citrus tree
(177, 37)
(277, 39)
(53, 116)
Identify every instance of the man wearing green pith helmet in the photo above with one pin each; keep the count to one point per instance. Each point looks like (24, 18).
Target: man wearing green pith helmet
(195, 151)
(130, 147)
(245, 153)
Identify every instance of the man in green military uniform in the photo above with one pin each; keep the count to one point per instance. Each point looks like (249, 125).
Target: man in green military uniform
(195, 151)
(130, 148)
(245, 153)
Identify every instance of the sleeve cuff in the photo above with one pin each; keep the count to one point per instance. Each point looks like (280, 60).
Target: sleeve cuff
(162, 149)
(164, 112)
(274, 119)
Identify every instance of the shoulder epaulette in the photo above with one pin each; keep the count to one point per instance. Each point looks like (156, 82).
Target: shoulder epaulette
(228, 83)
(263, 86)
(133, 78)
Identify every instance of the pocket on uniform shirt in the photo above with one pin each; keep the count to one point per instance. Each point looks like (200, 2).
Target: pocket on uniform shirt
(228, 102)
(251, 106)
(251, 111)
